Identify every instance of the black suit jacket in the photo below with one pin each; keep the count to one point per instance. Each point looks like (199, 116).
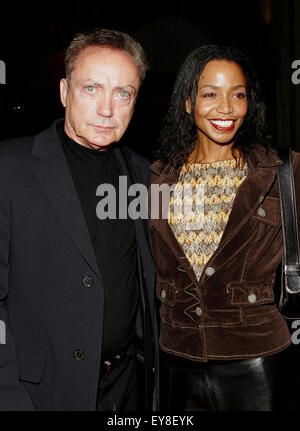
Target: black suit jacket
(45, 255)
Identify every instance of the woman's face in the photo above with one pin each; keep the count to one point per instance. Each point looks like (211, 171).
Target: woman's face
(221, 103)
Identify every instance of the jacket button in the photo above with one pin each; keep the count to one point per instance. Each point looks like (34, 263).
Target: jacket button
(87, 281)
(79, 355)
(210, 271)
(252, 298)
(261, 212)
(163, 294)
(198, 311)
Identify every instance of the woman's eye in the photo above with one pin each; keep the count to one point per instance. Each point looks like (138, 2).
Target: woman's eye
(209, 95)
(90, 89)
(240, 95)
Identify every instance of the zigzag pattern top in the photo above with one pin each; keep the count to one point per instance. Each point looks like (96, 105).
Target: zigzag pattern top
(201, 204)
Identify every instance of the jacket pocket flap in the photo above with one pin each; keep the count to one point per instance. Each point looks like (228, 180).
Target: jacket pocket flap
(31, 366)
(268, 212)
(166, 292)
(249, 293)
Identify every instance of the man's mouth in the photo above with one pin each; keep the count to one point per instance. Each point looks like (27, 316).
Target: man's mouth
(222, 125)
(104, 128)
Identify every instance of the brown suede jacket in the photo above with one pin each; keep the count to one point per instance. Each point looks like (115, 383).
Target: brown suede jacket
(230, 313)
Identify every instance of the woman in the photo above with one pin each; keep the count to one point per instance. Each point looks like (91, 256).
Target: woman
(218, 249)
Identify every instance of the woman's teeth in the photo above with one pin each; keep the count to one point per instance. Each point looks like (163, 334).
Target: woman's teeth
(220, 123)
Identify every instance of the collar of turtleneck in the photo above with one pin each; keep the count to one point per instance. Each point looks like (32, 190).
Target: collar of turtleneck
(86, 154)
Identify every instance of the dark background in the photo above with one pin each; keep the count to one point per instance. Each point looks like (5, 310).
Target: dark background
(34, 35)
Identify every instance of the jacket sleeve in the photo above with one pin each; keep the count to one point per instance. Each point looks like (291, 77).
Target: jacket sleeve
(13, 395)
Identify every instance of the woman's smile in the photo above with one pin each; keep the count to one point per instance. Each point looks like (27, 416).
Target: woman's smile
(222, 125)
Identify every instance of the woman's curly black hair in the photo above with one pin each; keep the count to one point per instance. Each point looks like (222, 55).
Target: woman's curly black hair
(178, 136)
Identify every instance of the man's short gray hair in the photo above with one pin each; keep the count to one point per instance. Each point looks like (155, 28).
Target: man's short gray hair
(106, 38)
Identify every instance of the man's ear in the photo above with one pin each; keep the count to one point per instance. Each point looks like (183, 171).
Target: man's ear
(63, 86)
(188, 107)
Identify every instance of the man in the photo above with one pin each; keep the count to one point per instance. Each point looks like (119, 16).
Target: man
(76, 291)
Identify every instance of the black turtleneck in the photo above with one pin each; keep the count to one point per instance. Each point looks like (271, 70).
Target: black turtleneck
(113, 241)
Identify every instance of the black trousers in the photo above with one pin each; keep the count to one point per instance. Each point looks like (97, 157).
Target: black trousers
(261, 384)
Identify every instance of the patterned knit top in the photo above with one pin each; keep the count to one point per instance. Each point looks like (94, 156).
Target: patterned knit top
(201, 204)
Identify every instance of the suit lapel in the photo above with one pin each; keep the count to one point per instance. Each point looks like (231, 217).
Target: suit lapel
(135, 176)
(51, 170)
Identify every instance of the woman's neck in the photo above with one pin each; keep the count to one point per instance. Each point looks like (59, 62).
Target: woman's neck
(205, 153)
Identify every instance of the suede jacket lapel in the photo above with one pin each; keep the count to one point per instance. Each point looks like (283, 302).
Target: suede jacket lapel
(261, 176)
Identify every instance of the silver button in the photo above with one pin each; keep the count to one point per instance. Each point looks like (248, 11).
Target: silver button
(163, 294)
(252, 298)
(210, 271)
(198, 311)
(87, 281)
(261, 212)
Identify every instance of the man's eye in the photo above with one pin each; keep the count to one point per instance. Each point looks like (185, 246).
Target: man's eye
(90, 89)
(124, 94)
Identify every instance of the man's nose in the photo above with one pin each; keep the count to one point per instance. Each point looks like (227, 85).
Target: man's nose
(105, 105)
(225, 106)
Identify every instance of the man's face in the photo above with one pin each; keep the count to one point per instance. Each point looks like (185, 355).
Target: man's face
(100, 100)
